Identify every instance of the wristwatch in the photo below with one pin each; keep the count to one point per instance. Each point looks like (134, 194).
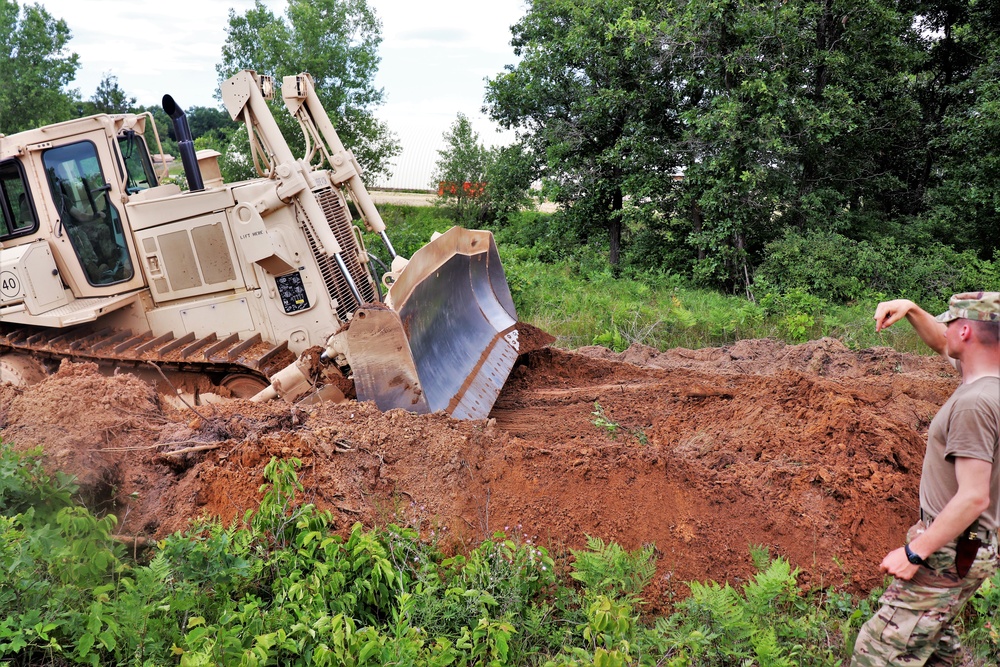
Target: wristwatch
(913, 557)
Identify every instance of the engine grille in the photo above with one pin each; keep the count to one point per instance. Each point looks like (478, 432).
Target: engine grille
(339, 221)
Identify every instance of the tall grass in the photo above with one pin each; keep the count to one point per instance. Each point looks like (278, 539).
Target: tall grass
(570, 291)
(661, 312)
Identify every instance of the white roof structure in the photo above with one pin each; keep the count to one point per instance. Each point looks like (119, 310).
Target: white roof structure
(413, 168)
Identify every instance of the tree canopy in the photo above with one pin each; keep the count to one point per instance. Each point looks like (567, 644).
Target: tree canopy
(36, 66)
(109, 97)
(593, 102)
(713, 129)
(337, 42)
(460, 172)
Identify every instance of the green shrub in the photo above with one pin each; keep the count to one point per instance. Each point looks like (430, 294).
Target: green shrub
(836, 269)
(982, 620)
(25, 484)
(820, 263)
(771, 623)
(280, 588)
(409, 228)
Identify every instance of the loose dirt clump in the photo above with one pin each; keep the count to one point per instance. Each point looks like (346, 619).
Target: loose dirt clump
(812, 451)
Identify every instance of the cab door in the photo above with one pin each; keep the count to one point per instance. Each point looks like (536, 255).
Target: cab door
(89, 233)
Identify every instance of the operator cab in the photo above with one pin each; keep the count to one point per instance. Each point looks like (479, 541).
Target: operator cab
(17, 214)
(80, 193)
(139, 172)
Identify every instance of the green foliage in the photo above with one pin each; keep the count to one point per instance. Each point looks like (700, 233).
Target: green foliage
(982, 622)
(204, 121)
(36, 66)
(962, 105)
(460, 172)
(593, 102)
(601, 421)
(281, 588)
(500, 579)
(608, 570)
(561, 284)
(409, 227)
(510, 173)
(772, 120)
(832, 267)
(55, 569)
(110, 98)
(821, 263)
(337, 43)
(25, 485)
(697, 134)
(612, 339)
(771, 623)
(478, 185)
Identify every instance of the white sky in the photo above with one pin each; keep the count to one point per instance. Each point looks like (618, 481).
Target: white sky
(436, 56)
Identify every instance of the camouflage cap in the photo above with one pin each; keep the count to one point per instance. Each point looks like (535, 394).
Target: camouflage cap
(982, 306)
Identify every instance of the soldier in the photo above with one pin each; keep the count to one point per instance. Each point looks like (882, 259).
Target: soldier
(952, 549)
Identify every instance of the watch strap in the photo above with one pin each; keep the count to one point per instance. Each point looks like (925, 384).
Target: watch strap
(913, 557)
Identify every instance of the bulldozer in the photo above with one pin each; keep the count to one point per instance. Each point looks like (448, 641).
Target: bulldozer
(259, 289)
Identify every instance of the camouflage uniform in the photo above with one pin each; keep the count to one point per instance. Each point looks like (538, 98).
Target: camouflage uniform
(914, 624)
(95, 245)
(980, 306)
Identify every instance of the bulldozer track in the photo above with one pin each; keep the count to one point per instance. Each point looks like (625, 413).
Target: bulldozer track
(212, 354)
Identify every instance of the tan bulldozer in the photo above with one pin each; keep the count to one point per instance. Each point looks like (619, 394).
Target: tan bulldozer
(262, 287)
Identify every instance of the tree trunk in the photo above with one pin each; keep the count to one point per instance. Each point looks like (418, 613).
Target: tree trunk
(696, 221)
(615, 226)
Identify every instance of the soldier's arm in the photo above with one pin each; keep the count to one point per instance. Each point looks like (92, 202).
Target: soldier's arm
(971, 499)
(930, 330)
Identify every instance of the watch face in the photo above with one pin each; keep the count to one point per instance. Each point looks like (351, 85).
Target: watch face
(912, 557)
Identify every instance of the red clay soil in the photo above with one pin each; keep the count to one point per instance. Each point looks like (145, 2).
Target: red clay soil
(813, 451)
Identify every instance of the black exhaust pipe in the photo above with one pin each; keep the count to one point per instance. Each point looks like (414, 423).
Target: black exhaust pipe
(185, 143)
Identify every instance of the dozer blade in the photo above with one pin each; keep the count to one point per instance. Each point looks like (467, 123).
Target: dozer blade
(446, 338)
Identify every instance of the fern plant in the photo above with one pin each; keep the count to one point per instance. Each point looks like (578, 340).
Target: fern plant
(769, 624)
(771, 590)
(607, 569)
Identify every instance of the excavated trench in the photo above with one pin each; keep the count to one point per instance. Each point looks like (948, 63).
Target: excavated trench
(811, 450)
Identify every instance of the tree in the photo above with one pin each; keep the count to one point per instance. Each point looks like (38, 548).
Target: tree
(336, 41)
(593, 101)
(858, 118)
(460, 172)
(482, 184)
(792, 115)
(961, 207)
(110, 98)
(510, 173)
(35, 68)
(206, 121)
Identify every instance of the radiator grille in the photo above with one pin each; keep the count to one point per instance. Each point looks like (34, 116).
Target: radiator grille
(339, 221)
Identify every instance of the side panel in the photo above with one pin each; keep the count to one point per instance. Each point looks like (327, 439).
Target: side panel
(190, 258)
(222, 315)
(28, 274)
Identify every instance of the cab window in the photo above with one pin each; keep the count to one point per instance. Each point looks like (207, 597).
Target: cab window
(138, 169)
(82, 199)
(17, 215)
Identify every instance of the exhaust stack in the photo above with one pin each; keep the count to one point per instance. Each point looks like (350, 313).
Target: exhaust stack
(185, 143)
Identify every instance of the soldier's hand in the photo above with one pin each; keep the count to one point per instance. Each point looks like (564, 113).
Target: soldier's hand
(888, 313)
(898, 565)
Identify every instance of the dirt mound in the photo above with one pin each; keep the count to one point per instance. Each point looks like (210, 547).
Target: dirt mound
(811, 450)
